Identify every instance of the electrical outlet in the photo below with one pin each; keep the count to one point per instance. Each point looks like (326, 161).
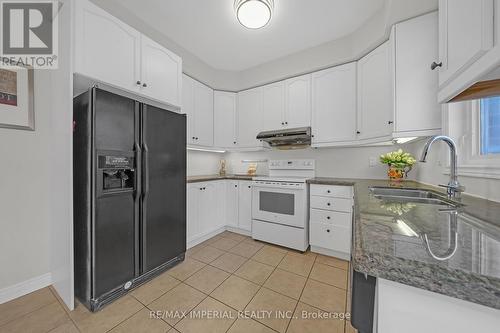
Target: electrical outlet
(372, 162)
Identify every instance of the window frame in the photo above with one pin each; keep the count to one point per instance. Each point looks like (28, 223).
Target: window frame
(463, 124)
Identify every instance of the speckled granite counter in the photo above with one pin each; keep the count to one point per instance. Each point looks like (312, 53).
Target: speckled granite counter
(197, 179)
(389, 242)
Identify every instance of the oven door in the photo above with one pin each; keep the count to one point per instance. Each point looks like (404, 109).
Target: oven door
(278, 203)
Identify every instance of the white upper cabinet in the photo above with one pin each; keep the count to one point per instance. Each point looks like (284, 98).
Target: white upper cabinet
(466, 33)
(334, 105)
(197, 103)
(188, 106)
(249, 118)
(417, 111)
(298, 101)
(469, 47)
(110, 51)
(273, 104)
(106, 49)
(375, 93)
(204, 114)
(161, 72)
(225, 119)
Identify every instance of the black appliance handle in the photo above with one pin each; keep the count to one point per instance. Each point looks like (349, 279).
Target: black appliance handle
(145, 172)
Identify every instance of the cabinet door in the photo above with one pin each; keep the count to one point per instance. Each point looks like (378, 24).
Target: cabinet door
(207, 208)
(334, 104)
(203, 114)
(375, 93)
(106, 49)
(193, 194)
(298, 101)
(161, 72)
(188, 107)
(232, 203)
(273, 105)
(224, 119)
(416, 45)
(245, 205)
(466, 31)
(249, 117)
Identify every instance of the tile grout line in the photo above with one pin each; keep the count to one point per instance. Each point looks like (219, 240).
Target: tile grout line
(300, 296)
(27, 313)
(260, 287)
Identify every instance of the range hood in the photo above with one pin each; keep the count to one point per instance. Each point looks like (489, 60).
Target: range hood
(292, 138)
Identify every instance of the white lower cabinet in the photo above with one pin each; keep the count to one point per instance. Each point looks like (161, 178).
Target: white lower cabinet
(330, 227)
(245, 205)
(216, 205)
(205, 210)
(232, 203)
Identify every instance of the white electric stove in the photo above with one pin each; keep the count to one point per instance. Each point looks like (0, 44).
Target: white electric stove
(279, 204)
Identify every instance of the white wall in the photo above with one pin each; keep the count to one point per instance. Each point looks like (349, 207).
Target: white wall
(201, 163)
(24, 197)
(330, 162)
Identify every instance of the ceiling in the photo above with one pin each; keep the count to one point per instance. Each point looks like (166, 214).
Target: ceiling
(209, 29)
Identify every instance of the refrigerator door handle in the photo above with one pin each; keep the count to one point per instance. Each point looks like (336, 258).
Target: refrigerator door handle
(145, 168)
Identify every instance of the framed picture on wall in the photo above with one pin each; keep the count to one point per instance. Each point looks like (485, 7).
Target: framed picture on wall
(16, 98)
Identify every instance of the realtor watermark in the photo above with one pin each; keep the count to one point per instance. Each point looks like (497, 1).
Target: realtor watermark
(259, 314)
(29, 34)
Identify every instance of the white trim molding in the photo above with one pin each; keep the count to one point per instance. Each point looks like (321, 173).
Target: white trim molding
(25, 287)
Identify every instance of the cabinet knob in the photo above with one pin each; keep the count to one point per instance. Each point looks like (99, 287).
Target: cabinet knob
(328, 204)
(235, 185)
(286, 122)
(327, 230)
(144, 85)
(282, 123)
(194, 138)
(328, 191)
(390, 122)
(358, 132)
(138, 83)
(328, 217)
(249, 186)
(435, 65)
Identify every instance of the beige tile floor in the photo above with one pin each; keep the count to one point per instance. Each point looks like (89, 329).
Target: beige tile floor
(229, 275)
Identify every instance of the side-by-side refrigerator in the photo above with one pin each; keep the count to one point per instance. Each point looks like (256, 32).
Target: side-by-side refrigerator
(129, 174)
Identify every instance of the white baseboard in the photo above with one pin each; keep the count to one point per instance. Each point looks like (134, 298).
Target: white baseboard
(25, 287)
(331, 253)
(237, 230)
(201, 238)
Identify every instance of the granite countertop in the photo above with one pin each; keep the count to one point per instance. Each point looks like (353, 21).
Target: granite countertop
(197, 179)
(389, 242)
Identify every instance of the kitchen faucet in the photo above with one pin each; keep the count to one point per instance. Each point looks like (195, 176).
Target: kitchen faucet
(453, 188)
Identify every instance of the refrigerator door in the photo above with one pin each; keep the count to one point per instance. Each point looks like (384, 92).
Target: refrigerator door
(116, 215)
(163, 207)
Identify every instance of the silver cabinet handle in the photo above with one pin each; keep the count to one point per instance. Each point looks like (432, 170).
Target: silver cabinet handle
(435, 65)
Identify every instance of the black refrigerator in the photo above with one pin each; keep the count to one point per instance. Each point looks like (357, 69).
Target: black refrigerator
(129, 183)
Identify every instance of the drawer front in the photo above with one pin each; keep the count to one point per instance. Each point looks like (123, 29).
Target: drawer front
(330, 237)
(332, 191)
(329, 203)
(341, 219)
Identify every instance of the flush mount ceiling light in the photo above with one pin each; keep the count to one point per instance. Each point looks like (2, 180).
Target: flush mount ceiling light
(254, 14)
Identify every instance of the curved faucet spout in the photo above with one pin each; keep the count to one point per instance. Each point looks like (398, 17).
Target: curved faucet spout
(453, 188)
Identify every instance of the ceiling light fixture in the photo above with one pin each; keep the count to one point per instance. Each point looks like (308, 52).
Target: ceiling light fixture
(254, 14)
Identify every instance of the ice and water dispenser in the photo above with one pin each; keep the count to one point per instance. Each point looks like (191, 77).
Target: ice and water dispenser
(117, 172)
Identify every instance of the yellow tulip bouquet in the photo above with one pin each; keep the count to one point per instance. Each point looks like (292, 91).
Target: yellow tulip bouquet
(399, 162)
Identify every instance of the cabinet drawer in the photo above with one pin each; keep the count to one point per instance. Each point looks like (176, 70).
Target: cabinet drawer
(332, 191)
(341, 219)
(330, 237)
(329, 203)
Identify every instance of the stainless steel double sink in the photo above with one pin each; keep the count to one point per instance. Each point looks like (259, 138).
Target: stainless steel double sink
(413, 195)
